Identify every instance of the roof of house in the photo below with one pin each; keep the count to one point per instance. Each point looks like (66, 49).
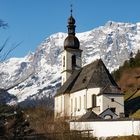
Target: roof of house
(108, 112)
(92, 75)
(90, 115)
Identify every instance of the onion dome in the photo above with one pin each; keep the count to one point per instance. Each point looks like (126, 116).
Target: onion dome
(71, 41)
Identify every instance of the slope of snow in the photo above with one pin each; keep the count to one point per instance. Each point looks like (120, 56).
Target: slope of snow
(38, 75)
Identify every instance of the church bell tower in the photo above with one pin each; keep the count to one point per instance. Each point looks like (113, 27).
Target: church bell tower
(71, 55)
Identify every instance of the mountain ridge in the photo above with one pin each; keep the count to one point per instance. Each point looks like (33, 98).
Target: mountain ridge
(37, 75)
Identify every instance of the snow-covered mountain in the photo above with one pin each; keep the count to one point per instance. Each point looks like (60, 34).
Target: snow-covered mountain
(37, 75)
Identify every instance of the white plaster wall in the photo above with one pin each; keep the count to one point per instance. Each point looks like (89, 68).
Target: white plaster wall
(67, 105)
(59, 106)
(63, 54)
(68, 58)
(68, 55)
(77, 103)
(100, 103)
(86, 101)
(118, 103)
(55, 106)
(77, 111)
(90, 92)
(68, 63)
(109, 128)
(65, 75)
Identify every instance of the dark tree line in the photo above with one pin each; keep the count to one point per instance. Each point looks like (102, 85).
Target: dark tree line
(133, 62)
(13, 122)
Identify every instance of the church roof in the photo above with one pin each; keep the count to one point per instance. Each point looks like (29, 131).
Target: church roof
(93, 75)
(68, 84)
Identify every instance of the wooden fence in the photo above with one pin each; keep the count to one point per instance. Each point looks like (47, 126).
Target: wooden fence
(70, 135)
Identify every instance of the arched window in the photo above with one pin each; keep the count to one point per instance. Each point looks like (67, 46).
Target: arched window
(84, 102)
(73, 61)
(93, 100)
(75, 104)
(108, 116)
(80, 103)
(71, 105)
(61, 104)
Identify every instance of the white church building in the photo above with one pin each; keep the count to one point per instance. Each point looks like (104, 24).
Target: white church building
(85, 89)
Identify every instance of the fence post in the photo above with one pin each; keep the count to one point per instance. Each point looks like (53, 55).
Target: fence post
(88, 133)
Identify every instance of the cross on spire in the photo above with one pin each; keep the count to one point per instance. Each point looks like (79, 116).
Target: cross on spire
(71, 10)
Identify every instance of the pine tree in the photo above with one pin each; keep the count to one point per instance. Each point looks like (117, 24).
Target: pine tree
(134, 62)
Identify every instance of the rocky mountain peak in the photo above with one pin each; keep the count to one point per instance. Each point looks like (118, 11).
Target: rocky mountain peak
(37, 75)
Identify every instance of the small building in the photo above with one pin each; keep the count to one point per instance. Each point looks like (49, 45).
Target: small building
(88, 88)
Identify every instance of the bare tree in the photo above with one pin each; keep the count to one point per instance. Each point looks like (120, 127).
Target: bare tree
(3, 24)
(4, 55)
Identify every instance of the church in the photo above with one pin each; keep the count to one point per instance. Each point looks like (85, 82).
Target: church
(85, 90)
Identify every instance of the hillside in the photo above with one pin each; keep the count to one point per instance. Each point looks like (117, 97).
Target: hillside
(37, 75)
(128, 78)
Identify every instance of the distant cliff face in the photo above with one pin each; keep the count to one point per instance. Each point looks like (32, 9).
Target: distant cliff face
(37, 75)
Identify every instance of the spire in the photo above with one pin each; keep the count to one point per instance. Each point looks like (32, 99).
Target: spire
(71, 23)
(71, 9)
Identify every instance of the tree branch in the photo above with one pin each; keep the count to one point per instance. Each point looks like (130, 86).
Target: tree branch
(3, 24)
(7, 53)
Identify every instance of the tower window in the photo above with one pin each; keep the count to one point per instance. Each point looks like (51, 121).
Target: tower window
(113, 109)
(64, 61)
(112, 99)
(73, 61)
(84, 80)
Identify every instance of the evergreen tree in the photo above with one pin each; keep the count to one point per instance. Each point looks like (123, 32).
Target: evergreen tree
(128, 64)
(13, 122)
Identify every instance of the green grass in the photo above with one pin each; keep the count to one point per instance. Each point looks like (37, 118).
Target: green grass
(131, 95)
(137, 94)
(125, 138)
(132, 103)
(136, 114)
(128, 95)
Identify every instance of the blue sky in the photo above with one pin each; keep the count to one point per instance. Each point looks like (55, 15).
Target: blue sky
(31, 21)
